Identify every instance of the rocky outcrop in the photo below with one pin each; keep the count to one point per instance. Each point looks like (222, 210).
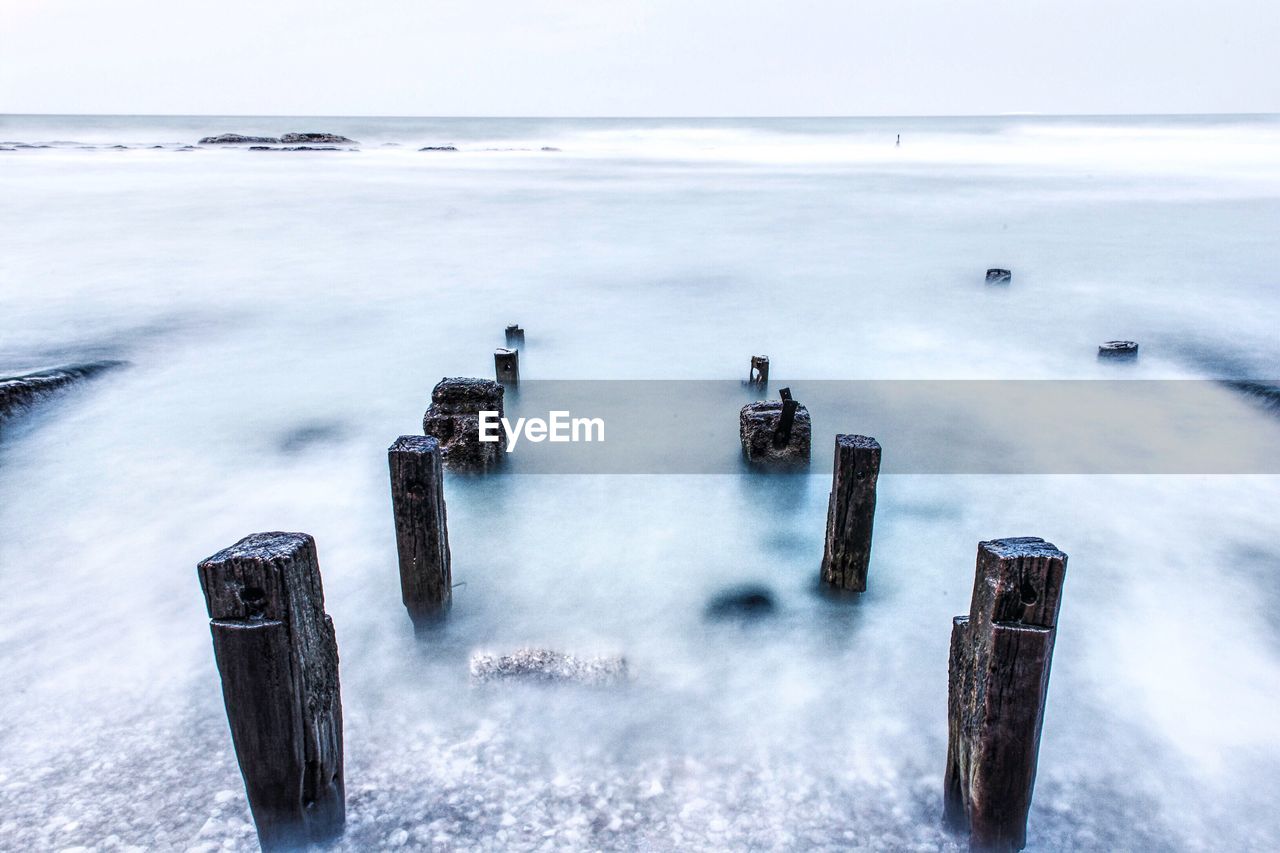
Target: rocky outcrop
(439, 148)
(315, 138)
(454, 420)
(548, 667)
(20, 393)
(238, 139)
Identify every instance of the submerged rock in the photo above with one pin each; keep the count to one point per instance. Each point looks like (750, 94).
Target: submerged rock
(238, 139)
(454, 420)
(296, 148)
(742, 602)
(999, 276)
(323, 138)
(439, 148)
(547, 666)
(19, 393)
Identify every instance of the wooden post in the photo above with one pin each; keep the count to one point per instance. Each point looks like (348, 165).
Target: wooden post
(759, 373)
(515, 336)
(422, 532)
(786, 419)
(506, 362)
(999, 677)
(851, 512)
(278, 659)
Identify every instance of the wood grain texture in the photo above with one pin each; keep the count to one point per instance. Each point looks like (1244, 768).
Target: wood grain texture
(998, 681)
(422, 532)
(851, 510)
(278, 660)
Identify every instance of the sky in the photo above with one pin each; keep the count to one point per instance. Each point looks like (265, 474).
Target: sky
(638, 57)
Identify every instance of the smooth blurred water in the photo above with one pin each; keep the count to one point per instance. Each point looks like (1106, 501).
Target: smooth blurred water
(286, 314)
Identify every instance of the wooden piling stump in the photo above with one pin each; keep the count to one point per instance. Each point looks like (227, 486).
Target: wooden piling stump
(851, 511)
(515, 336)
(775, 433)
(278, 659)
(506, 364)
(999, 676)
(759, 373)
(454, 419)
(422, 533)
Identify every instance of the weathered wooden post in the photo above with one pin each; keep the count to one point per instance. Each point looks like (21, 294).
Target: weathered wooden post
(453, 418)
(278, 659)
(515, 336)
(999, 276)
(1118, 349)
(422, 533)
(851, 512)
(999, 676)
(506, 363)
(775, 433)
(759, 373)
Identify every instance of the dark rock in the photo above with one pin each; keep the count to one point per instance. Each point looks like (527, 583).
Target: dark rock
(295, 148)
(548, 667)
(18, 394)
(454, 420)
(757, 427)
(999, 276)
(323, 138)
(549, 148)
(1118, 349)
(742, 602)
(439, 148)
(237, 139)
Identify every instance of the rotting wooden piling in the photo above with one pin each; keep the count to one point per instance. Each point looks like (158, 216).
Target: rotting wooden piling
(999, 676)
(851, 511)
(506, 364)
(759, 373)
(422, 532)
(278, 659)
(515, 336)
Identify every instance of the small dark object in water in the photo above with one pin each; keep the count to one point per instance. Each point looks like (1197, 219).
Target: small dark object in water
(743, 602)
(764, 441)
(758, 375)
(1118, 349)
(278, 659)
(238, 139)
(515, 335)
(309, 435)
(998, 680)
(322, 138)
(422, 530)
(506, 364)
(454, 419)
(548, 148)
(999, 276)
(851, 512)
(294, 148)
(439, 148)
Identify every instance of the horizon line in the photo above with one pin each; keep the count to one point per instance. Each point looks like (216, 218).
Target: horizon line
(1015, 114)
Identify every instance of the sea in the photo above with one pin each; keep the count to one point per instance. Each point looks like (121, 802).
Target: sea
(283, 316)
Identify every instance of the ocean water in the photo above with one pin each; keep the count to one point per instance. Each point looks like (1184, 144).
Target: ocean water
(286, 314)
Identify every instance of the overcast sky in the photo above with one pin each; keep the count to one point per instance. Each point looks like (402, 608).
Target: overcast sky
(638, 57)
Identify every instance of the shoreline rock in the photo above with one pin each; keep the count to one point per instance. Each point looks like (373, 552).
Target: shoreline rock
(321, 138)
(239, 139)
(19, 394)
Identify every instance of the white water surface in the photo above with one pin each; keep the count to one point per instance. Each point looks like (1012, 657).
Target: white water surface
(286, 314)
